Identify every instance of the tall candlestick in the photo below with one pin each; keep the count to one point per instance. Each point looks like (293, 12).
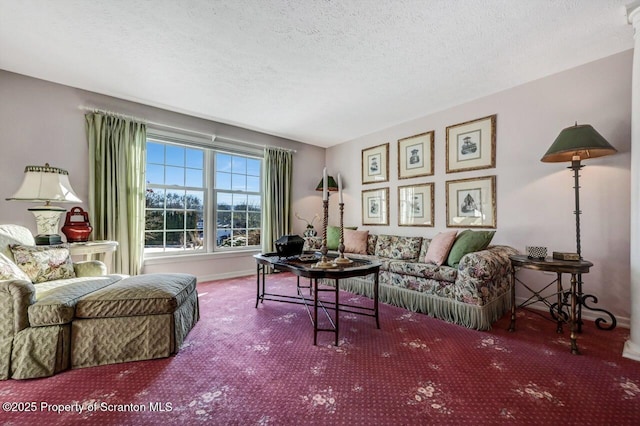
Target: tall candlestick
(341, 260)
(340, 188)
(324, 260)
(325, 192)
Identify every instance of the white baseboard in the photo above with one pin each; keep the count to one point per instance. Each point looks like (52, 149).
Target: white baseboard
(226, 276)
(624, 322)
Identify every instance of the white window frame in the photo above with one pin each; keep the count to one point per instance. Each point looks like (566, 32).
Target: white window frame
(210, 192)
(215, 191)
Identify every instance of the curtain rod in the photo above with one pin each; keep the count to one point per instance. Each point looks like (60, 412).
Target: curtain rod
(167, 126)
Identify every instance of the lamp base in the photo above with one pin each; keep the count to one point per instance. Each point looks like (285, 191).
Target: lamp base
(47, 220)
(48, 239)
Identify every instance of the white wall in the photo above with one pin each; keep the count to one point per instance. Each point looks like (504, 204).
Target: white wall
(535, 200)
(41, 122)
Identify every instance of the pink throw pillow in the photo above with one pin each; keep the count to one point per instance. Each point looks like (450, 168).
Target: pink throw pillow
(440, 246)
(355, 241)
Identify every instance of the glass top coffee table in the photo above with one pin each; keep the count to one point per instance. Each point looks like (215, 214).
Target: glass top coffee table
(303, 266)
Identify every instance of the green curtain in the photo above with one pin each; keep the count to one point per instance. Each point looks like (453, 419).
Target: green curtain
(276, 190)
(117, 155)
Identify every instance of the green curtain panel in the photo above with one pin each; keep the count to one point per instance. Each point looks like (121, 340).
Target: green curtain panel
(117, 150)
(276, 190)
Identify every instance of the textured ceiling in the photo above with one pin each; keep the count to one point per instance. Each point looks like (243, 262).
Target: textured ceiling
(318, 71)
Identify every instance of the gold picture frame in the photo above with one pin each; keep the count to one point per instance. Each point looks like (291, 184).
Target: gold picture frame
(375, 207)
(471, 203)
(375, 164)
(416, 205)
(415, 155)
(471, 145)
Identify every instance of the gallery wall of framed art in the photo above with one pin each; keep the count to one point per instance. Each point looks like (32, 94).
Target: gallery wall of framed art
(469, 202)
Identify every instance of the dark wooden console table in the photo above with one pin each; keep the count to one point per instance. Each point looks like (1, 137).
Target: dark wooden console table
(358, 268)
(573, 267)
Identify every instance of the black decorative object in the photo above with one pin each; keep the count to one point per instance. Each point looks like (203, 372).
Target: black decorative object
(289, 245)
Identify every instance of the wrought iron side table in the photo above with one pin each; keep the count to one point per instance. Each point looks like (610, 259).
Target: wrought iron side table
(573, 267)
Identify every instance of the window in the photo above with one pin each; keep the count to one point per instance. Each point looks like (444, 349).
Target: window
(189, 187)
(238, 198)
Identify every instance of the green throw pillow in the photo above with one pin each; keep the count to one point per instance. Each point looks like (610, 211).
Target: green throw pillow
(468, 241)
(333, 236)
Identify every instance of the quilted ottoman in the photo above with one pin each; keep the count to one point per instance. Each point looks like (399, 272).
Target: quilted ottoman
(140, 317)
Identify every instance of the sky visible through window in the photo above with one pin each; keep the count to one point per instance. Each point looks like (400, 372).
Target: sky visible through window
(176, 204)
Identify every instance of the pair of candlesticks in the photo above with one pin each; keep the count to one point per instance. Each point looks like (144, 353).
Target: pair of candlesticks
(340, 261)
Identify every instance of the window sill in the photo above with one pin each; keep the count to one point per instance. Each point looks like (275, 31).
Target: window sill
(197, 257)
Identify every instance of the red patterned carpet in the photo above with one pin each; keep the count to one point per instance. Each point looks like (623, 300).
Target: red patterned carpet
(247, 366)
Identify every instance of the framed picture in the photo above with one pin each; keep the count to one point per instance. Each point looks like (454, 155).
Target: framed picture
(471, 203)
(415, 156)
(375, 207)
(415, 205)
(472, 145)
(375, 164)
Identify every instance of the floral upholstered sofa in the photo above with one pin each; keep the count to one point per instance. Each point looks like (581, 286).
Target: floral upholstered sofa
(475, 293)
(56, 314)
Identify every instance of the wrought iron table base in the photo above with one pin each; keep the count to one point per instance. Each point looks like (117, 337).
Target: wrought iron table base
(556, 309)
(601, 323)
(569, 303)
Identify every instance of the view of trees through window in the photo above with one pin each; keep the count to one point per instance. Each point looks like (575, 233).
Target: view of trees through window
(238, 200)
(174, 217)
(176, 206)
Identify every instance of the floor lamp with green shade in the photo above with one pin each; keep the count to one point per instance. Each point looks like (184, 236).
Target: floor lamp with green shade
(574, 144)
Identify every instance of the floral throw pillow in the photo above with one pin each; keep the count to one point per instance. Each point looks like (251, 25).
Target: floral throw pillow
(43, 263)
(10, 271)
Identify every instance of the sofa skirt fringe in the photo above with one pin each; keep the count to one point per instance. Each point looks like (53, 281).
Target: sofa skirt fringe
(470, 316)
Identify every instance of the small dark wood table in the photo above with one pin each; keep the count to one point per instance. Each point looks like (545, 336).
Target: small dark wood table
(357, 268)
(573, 267)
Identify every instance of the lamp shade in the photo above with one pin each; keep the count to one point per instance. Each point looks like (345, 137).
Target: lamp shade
(580, 140)
(45, 183)
(332, 186)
